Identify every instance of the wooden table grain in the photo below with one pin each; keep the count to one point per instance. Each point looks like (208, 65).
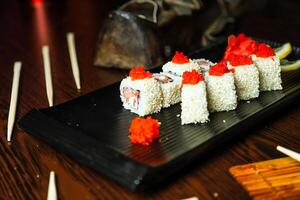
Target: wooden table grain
(25, 163)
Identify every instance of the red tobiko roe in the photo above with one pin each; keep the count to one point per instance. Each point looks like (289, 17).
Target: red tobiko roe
(240, 45)
(180, 58)
(218, 69)
(192, 77)
(139, 73)
(235, 40)
(264, 51)
(239, 60)
(249, 46)
(143, 131)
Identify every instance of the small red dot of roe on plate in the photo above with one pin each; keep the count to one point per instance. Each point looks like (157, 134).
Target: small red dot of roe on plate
(139, 73)
(180, 58)
(239, 60)
(192, 77)
(264, 51)
(143, 130)
(219, 69)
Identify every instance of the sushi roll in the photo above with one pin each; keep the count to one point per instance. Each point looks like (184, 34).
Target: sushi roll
(203, 64)
(171, 88)
(246, 76)
(268, 66)
(194, 102)
(179, 64)
(220, 86)
(140, 92)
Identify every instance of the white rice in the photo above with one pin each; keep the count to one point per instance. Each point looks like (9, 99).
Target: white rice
(221, 92)
(179, 69)
(246, 79)
(269, 73)
(150, 98)
(194, 104)
(171, 91)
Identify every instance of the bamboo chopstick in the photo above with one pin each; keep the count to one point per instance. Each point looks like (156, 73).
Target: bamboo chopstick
(13, 99)
(73, 58)
(47, 71)
(289, 153)
(52, 194)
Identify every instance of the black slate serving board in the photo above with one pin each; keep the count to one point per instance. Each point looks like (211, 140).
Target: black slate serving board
(93, 129)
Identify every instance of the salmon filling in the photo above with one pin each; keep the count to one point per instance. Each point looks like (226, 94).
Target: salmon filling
(163, 78)
(131, 97)
(204, 65)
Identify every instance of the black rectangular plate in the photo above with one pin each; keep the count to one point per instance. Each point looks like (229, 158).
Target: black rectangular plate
(93, 130)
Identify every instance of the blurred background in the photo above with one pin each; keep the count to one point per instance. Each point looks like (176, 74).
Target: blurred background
(26, 23)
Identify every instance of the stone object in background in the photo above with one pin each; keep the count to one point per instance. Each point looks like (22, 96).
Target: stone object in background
(127, 41)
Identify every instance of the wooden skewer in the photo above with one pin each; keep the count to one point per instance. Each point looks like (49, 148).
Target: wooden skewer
(47, 70)
(52, 194)
(289, 153)
(73, 58)
(13, 99)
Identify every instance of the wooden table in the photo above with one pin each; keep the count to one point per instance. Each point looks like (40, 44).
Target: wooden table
(26, 162)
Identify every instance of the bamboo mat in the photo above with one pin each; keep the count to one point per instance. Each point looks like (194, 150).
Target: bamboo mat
(272, 179)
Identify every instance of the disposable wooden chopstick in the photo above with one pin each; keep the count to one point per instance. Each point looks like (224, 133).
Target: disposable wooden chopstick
(289, 153)
(73, 58)
(13, 99)
(192, 198)
(47, 71)
(52, 194)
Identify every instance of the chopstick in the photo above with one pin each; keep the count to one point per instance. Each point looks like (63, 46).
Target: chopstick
(289, 153)
(13, 99)
(52, 194)
(47, 71)
(73, 58)
(191, 198)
